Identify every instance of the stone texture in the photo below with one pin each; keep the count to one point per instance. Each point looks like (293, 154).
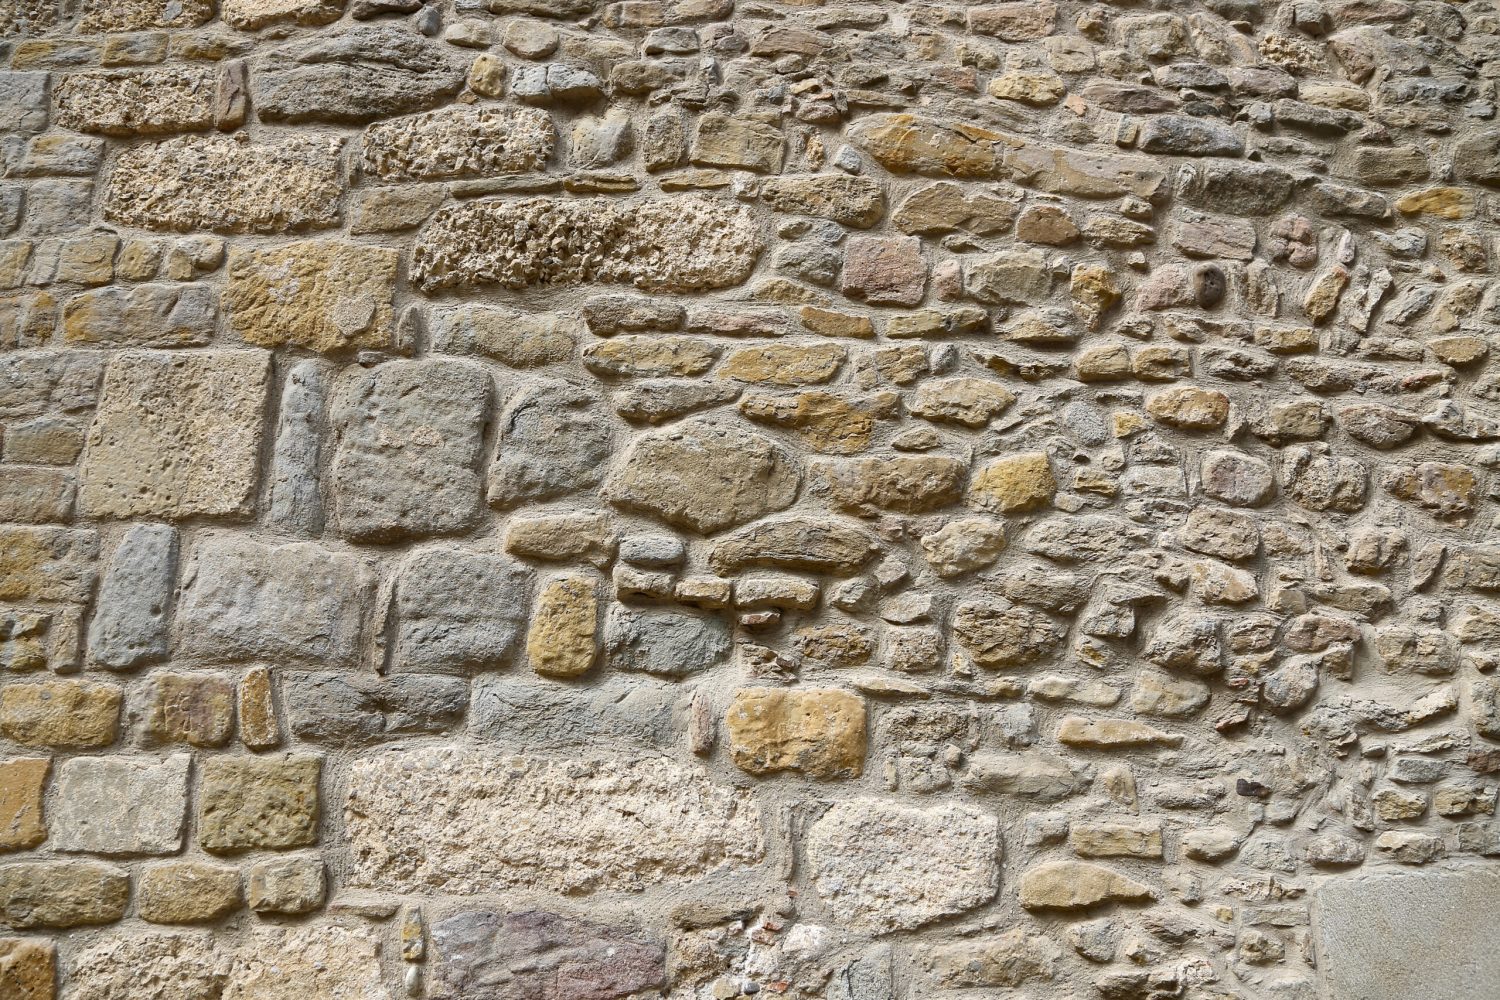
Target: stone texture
(564, 625)
(889, 867)
(186, 892)
(194, 709)
(61, 894)
(129, 627)
(818, 732)
(553, 441)
(318, 962)
(224, 186)
(176, 435)
(155, 315)
(28, 968)
(1078, 885)
(135, 103)
(61, 714)
(257, 802)
(120, 806)
(514, 821)
(457, 611)
(459, 142)
(319, 295)
(23, 823)
(663, 641)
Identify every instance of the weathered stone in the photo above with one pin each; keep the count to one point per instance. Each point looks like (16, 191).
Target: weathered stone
(218, 184)
(650, 356)
(819, 732)
(120, 806)
(137, 102)
(457, 611)
(892, 867)
(520, 956)
(296, 498)
(324, 296)
(258, 802)
(461, 141)
(794, 543)
(514, 338)
(1121, 839)
(47, 564)
(944, 207)
(562, 641)
(356, 709)
(23, 101)
(143, 316)
(62, 894)
(409, 445)
(885, 270)
(186, 892)
(1237, 479)
(997, 637)
(1161, 694)
(784, 364)
(188, 708)
(724, 141)
(129, 627)
(356, 75)
(1014, 22)
(553, 441)
(251, 15)
(1112, 734)
(704, 477)
(179, 966)
(1010, 959)
(967, 401)
(667, 642)
(22, 783)
(286, 885)
(1014, 484)
(1190, 409)
(313, 962)
(64, 715)
(1042, 777)
(513, 821)
(27, 969)
(964, 545)
(910, 484)
(1077, 885)
(562, 537)
(680, 244)
(246, 601)
(622, 712)
(851, 201)
(176, 435)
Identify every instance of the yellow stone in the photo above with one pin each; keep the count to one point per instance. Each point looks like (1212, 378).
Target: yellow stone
(318, 294)
(22, 782)
(1444, 202)
(1132, 839)
(1014, 484)
(784, 364)
(561, 641)
(831, 323)
(818, 731)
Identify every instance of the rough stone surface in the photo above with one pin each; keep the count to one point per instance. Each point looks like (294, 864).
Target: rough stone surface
(22, 820)
(459, 142)
(120, 806)
(61, 894)
(129, 627)
(319, 295)
(457, 611)
(819, 732)
(504, 822)
(252, 802)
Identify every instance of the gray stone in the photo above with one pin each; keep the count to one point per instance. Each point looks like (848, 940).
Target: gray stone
(535, 954)
(409, 444)
(357, 709)
(129, 628)
(356, 75)
(815, 545)
(296, 496)
(245, 601)
(554, 440)
(457, 611)
(120, 806)
(632, 712)
(1237, 188)
(23, 101)
(1183, 135)
(512, 337)
(1418, 934)
(286, 885)
(459, 141)
(667, 642)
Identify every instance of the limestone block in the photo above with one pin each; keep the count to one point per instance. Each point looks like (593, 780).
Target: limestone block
(120, 806)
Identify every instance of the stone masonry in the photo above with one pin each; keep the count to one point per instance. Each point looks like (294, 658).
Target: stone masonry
(697, 499)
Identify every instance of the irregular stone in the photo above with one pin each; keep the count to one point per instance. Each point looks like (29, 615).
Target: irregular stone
(179, 966)
(520, 956)
(998, 637)
(943, 207)
(410, 435)
(245, 601)
(1237, 479)
(176, 435)
(459, 141)
(218, 184)
(62, 894)
(724, 141)
(1319, 481)
(186, 892)
(1112, 734)
(671, 643)
(564, 625)
(553, 442)
(794, 543)
(23, 781)
(258, 802)
(650, 356)
(1077, 885)
(857, 202)
(1014, 22)
(286, 885)
(964, 400)
(514, 821)
(910, 484)
(356, 75)
(457, 611)
(63, 715)
(514, 338)
(252, 15)
(356, 709)
(1189, 408)
(1042, 777)
(1014, 484)
(143, 316)
(964, 545)
(137, 102)
(819, 732)
(1010, 959)
(1237, 187)
(704, 477)
(47, 564)
(1160, 694)
(188, 708)
(129, 627)
(889, 867)
(118, 806)
(27, 969)
(1184, 135)
(324, 296)
(784, 364)
(1444, 488)
(1123, 839)
(682, 244)
(562, 538)
(310, 961)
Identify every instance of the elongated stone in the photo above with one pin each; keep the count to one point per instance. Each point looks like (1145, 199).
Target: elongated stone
(129, 627)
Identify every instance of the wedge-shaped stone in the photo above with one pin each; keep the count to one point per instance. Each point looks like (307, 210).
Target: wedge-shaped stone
(176, 435)
(1077, 885)
(882, 866)
(817, 731)
(568, 826)
(673, 244)
(815, 545)
(218, 184)
(321, 295)
(461, 141)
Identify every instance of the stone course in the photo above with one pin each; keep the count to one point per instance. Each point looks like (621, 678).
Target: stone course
(700, 499)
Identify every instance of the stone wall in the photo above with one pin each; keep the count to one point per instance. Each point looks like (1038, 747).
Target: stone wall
(576, 500)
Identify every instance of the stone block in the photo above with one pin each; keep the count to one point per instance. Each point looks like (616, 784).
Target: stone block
(258, 802)
(131, 103)
(129, 627)
(112, 805)
(286, 885)
(176, 435)
(819, 732)
(355, 709)
(457, 611)
(178, 965)
(28, 969)
(321, 295)
(62, 894)
(195, 709)
(154, 315)
(23, 781)
(61, 714)
(554, 440)
(460, 141)
(186, 892)
(562, 641)
(47, 564)
(667, 642)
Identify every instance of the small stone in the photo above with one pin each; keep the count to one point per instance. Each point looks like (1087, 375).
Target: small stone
(1123, 839)
(1409, 848)
(1188, 408)
(1163, 695)
(258, 802)
(964, 545)
(562, 538)
(943, 207)
(259, 729)
(1014, 22)
(906, 483)
(188, 708)
(23, 825)
(564, 625)
(251, 15)
(286, 885)
(63, 715)
(885, 270)
(186, 892)
(1077, 885)
(1013, 958)
(320, 295)
(1049, 225)
(1113, 734)
(1212, 845)
(999, 638)
(1014, 484)
(1041, 777)
(819, 732)
(62, 894)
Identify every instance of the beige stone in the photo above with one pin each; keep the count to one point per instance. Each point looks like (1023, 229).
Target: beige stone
(964, 400)
(320, 295)
(909, 484)
(1120, 839)
(143, 102)
(312, 962)
(562, 641)
(819, 732)
(61, 714)
(252, 802)
(724, 141)
(176, 435)
(460, 141)
(784, 364)
(251, 15)
(1113, 734)
(1077, 885)
(186, 892)
(61, 894)
(827, 422)
(1014, 484)
(1189, 408)
(179, 966)
(27, 969)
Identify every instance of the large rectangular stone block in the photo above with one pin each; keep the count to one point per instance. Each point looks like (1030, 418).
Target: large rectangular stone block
(120, 806)
(320, 294)
(176, 435)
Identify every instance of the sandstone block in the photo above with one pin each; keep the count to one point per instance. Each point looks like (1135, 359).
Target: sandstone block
(138, 102)
(143, 15)
(286, 885)
(666, 642)
(553, 441)
(142, 316)
(457, 611)
(815, 545)
(258, 802)
(179, 966)
(245, 601)
(312, 962)
(460, 141)
(851, 201)
(909, 484)
(176, 435)
(514, 338)
(564, 625)
(964, 400)
(218, 184)
(296, 502)
(1124, 839)
(61, 894)
(1077, 885)
(784, 364)
(23, 781)
(112, 805)
(963, 545)
(64, 715)
(883, 866)
(129, 627)
(324, 296)
(47, 564)
(817, 731)
(355, 709)
(251, 15)
(514, 821)
(1113, 734)
(562, 538)
(186, 892)
(195, 709)
(1014, 484)
(1010, 959)
(724, 141)
(997, 637)
(885, 270)
(28, 969)
(409, 441)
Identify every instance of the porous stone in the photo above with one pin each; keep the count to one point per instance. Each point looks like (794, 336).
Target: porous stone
(120, 806)
(516, 821)
(258, 802)
(819, 732)
(850, 201)
(180, 966)
(286, 885)
(47, 563)
(864, 858)
(28, 968)
(250, 15)
(324, 296)
(1014, 484)
(186, 892)
(176, 435)
(137, 102)
(461, 141)
(910, 484)
(315, 961)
